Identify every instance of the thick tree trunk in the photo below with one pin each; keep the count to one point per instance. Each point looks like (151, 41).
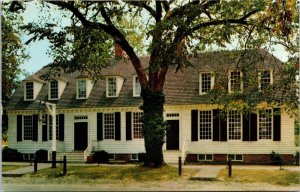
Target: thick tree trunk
(154, 127)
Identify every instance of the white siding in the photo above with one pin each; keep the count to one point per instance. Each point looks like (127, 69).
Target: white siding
(36, 89)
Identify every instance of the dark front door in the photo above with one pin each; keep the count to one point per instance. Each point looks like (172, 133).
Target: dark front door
(173, 135)
(80, 135)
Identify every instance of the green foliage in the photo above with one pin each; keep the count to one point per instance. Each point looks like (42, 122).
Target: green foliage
(276, 158)
(100, 156)
(142, 157)
(296, 156)
(9, 154)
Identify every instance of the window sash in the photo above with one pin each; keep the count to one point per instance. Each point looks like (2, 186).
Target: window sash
(265, 124)
(81, 88)
(109, 125)
(205, 125)
(206, 82)
(234, 125)
(29, 90)
(137, 125)
(28, 127)
(235, 81)
(265, 79)
(53, 89)
(137, 86)
(50, 126)
(112, 86)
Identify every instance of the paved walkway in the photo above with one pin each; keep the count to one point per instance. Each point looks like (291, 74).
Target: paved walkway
(21, 171)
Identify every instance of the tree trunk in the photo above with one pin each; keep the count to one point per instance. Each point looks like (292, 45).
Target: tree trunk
(154, 129)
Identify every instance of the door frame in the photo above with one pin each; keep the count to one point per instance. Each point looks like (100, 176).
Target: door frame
(81, 121)
(166, 118)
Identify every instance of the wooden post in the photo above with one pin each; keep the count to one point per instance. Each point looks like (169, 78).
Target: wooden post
(65, 165)
(35, 164)
(179, 166)
(229, 168)
(53, 159)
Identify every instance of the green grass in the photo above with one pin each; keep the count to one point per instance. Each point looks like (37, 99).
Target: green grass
(113, 173)
(277, 177)
(12, 167)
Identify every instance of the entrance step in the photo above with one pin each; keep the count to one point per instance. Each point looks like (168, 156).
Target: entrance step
(74, 156)
(171, 156)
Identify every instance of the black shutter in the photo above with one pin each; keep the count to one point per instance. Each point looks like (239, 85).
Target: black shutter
(19, 127)
(128, 126)
(246, 127)
(216, 125)
(35, 124)
(253, 127)
(223, 128)
(117, 126)
(61, 127)
(194, 125)
(277, 125)
(44, 129)
(99, 126)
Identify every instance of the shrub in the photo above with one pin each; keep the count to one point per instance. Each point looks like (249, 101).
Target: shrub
(276, 158)
(142, 157)
(42, 155)
(9, 154)
(100, 157)
(296, 156)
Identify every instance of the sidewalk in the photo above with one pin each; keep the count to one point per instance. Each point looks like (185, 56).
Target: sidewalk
(21, 171)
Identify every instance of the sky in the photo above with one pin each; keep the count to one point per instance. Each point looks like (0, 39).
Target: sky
(38, 50)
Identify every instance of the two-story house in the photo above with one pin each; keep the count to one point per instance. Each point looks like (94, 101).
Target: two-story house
(104, 114)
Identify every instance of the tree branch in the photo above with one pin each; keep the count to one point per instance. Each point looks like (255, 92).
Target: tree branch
(142, 4)
(158, 11)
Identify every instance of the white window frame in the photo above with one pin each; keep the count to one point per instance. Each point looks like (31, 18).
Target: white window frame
(205, 157)
(50, 127)
(234, 157)
(114, 126)
(77, 89)
(211, 125)
(134, 83)
(134, 159)
(133, 124)
(23, 128)
(107, 87)
(25, 92)
(50, 90)
(229, 83)
(241, 128)
(258, 125)
(259, 78)
(212, 82)
(113, 157)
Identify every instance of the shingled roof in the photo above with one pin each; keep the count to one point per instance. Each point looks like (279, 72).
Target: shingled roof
(181, 88)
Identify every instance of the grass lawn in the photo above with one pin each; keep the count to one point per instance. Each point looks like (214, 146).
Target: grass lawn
(112, 174)
(277, 177)
(11, 167)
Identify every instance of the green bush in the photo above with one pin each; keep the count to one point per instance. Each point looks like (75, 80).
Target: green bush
(142, 157)
(296, 156)
(9, 154)
(276, 158)
(42, 155)
(100, 157)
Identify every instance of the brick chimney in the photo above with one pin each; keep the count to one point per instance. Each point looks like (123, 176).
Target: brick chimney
(118, 51)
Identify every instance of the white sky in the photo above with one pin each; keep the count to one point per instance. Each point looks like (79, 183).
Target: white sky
(37, 50)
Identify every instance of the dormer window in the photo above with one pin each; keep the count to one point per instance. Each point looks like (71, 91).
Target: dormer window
(53, 90)
(206, 83)
(265, 79)
(29, 91)
(111, 87)
(235, 81)
(81, 89)
(136, 86)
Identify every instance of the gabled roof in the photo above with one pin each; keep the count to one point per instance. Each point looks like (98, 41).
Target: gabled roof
(181, 88)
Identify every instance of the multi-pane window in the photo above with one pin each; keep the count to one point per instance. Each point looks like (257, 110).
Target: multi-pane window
(29, 90)
(50, 126)
(137, 125)
(205, 124)
(112, 87)
(205, 82)
(53, 90)
(28, 127)
(265, 79)
(109, 125)
(234, 125)
(235, 157)
(235, 81)
(265, 124)
(137, 86)
(81, 88)
(205, 157)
